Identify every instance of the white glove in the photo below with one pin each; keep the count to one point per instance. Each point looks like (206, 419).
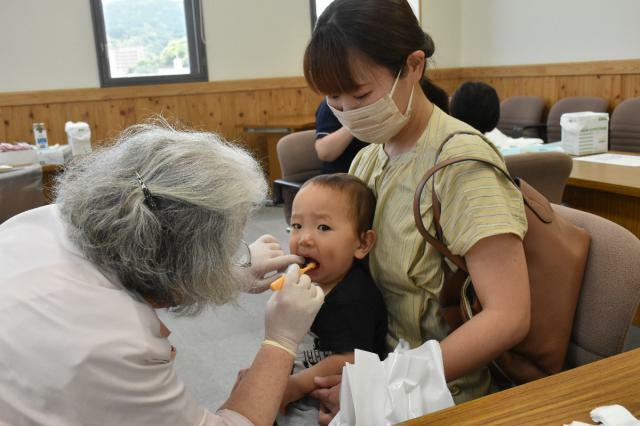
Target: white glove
(291, 311)
(267, 257)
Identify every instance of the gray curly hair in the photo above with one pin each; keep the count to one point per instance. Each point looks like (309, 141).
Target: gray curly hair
(175, 250)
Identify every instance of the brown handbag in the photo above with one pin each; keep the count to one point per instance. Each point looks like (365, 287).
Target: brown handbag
(556, 254)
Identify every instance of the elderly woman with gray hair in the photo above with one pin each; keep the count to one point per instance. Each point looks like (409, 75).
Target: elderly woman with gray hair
(154, 221)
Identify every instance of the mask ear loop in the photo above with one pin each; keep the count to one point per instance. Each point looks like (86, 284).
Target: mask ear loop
(393, 89)
(395, 83)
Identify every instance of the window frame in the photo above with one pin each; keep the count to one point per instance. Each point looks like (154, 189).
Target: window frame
(195, 42)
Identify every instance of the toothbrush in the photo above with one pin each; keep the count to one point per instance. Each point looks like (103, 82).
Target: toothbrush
(277, 284)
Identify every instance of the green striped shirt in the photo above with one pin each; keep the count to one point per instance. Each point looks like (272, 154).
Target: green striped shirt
(477, 202)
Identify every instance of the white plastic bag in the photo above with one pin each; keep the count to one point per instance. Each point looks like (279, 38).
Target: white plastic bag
(78, 137)
(408, 384)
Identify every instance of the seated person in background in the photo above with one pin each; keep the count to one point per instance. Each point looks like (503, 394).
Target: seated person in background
(335, 146)
(331, 226)
(477, 104)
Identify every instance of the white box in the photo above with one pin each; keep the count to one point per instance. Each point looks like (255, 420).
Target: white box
(19, 158)
(585, 132)
(54, 155)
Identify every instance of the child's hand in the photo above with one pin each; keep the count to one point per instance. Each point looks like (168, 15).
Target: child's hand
(292, 393)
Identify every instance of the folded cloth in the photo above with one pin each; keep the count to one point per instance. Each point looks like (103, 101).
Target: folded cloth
(610, 415)
(500, 140)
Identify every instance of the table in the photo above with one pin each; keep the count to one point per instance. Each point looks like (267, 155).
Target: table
(274, 129)
(554, 400)
(608, 190)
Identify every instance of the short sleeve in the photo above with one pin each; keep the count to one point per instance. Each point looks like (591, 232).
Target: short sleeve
(477, 200)
(326, 121)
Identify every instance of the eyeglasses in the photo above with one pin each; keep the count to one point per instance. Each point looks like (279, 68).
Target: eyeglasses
(242, 257)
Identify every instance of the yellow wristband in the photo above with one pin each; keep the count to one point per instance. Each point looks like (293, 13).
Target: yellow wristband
(278, 345)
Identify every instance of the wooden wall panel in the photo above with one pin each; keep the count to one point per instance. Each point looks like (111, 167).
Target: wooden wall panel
(631, 86)
(222, 107)
(4, 120)
(226, 106)
(612, 80)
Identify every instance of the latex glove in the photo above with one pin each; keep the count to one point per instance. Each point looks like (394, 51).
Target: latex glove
(267, 257)
(291, 311)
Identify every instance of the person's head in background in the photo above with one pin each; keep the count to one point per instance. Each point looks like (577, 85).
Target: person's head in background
(331, 221)
(363, 50)
(477, 104)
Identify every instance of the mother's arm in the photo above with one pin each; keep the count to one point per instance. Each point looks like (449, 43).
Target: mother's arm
(498, 269)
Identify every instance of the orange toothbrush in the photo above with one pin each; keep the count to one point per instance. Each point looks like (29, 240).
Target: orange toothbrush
(277, 284)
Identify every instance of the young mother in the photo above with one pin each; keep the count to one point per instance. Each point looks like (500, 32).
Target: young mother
(369, 58)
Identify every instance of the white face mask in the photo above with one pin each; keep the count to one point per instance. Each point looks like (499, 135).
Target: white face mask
(378, 122)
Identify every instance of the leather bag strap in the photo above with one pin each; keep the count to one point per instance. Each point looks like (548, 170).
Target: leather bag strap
(436, 241)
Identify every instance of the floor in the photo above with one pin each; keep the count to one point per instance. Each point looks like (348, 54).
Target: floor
(213, 346)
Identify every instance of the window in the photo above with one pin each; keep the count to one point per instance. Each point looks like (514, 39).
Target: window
(149, 41)
(318, 6)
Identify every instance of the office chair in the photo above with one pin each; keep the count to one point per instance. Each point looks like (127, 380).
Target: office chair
(298, 162)
(624, 128)
(519, 111)
(610, 291)
(545, 171)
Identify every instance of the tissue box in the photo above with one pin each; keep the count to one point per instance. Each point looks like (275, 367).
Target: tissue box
(54, 155)
(585, 132)
(19, 158)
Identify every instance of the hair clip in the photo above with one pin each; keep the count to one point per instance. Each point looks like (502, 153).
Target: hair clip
(147, 194)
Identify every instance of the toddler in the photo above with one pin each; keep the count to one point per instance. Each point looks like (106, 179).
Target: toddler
(331, 222)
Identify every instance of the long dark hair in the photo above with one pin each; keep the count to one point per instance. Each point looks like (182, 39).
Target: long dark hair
(384, 31)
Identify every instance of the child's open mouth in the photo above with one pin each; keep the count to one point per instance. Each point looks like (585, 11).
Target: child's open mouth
(308, 260)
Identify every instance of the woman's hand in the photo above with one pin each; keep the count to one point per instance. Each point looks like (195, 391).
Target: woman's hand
(266, 257)
(329, 397)
(258, 392)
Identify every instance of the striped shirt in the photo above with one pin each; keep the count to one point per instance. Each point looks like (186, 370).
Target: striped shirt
(477, 202)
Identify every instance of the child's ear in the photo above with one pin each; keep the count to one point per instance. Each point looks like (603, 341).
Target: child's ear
(367, 240)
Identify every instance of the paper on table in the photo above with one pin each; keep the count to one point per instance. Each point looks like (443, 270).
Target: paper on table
(610, 415)
(618, 159)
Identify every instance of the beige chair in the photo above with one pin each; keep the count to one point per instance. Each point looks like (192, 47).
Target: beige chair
(545, 171)
(610, 290)
(20, 190)
(298, 163)
(519, 111)
(625, 126)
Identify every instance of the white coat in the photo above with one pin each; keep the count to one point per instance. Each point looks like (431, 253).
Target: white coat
(75, 347)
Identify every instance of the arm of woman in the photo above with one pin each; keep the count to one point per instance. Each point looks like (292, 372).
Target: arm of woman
(255, 396)
(498, 269)
(330, 147)
(289, 314)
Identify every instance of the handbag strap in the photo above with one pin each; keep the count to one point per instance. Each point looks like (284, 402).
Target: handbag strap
(436, 241)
